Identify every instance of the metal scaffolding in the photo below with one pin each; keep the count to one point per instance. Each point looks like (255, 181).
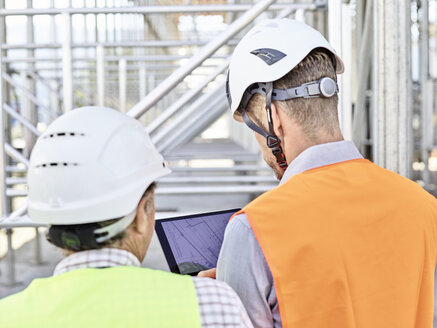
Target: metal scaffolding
(155, 63)
(392, 106)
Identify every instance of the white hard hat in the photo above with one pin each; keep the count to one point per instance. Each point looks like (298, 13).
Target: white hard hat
(92, 164)
(268, 52)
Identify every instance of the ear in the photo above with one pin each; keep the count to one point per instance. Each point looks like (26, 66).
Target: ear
(277, 117)
(140, 221)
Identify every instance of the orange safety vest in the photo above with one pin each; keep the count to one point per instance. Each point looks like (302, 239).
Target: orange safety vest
(349, 245)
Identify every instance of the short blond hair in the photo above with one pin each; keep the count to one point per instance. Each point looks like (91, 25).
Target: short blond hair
(311, 114)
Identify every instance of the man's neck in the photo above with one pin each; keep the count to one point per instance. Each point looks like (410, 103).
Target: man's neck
(298, 148)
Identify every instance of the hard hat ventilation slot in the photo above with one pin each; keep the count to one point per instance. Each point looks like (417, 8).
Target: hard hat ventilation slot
(55, 164)
(64, 134)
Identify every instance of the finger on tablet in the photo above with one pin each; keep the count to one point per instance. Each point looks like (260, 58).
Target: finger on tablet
(207, 273)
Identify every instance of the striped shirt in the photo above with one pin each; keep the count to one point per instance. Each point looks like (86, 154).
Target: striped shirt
(219, 305)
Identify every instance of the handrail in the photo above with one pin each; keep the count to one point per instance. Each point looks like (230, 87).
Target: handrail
(181, 9)
(125, 44)
(21, 119)
(149, 58)
(18, 212)
(196, 122)
(175, 190)
(192, 179)
(15, 181)
(220, 179)
(15, 169)
(236, 168)
(45, 83)
(169, 83)
(27, 94)
(205, 99)
(176, 106)
(11, 151)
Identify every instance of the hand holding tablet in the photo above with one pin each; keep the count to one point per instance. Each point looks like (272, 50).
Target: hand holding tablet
(211, 273)
(192, 243)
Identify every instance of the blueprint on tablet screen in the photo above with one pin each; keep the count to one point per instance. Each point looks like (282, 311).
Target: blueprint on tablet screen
(196, 242)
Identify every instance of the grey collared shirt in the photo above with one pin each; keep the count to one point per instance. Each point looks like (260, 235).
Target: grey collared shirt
(242, 264)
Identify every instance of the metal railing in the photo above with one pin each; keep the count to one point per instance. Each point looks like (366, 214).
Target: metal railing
(188, 9)
(155, 95)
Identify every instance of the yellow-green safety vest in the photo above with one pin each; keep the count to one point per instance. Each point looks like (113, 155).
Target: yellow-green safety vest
(111, 297)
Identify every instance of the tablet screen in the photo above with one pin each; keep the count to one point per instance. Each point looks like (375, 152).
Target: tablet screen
(192, 243)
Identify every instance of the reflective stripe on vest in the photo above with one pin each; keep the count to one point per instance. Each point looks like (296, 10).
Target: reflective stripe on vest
(113, 297)
(349, 245)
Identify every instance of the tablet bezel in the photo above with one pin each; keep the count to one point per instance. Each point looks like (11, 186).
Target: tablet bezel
(171, 261)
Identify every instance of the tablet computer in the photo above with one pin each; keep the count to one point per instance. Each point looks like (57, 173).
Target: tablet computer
(192, 243)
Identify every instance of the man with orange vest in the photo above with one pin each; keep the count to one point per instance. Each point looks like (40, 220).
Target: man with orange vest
(341, 242)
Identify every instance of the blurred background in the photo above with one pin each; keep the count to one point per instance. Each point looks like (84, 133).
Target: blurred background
(165, 62)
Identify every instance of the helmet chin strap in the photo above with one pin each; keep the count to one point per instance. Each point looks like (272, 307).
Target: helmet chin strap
(273, 142)
(324, 88)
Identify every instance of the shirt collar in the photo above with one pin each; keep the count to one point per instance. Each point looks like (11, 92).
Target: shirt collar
(321, 155)
(97, 258)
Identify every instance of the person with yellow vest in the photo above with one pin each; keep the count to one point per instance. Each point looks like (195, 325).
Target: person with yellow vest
(341, 242)
(91, 179)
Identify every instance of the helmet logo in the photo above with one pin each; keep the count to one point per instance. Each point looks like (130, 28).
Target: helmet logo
(269, 56)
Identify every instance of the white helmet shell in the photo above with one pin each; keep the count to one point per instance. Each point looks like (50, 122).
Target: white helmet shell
(92, 164)
(268, 52)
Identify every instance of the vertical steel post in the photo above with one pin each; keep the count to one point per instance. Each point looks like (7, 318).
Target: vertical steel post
(54, 84)
(4, 201)
(122, 81)
(299, 15)
(393, 85)
(85, 30)
(54, 97)
(100, 71)
(28, 111)
(319, 16)
(67, 64)
(335, 39)
(363, 71)
(96, 29)
(426, 92)
(106, 23)
(433, 46)
(38, 253)
(359, 21)
(346, 95)
(151, 84)
(114, 26)
(29, 108)
(142, 88)
(11, 259)
(142, 84)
